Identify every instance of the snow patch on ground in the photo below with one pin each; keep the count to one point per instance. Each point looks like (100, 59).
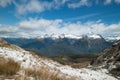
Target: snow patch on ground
(27, 60)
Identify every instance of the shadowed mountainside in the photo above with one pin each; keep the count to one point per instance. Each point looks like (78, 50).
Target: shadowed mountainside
(62, 46)
(110, 59)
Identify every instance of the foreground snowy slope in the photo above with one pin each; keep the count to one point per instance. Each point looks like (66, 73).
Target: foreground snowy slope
(32, 61)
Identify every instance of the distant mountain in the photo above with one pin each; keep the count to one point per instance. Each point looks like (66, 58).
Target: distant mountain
(70, 36)
(112, 38)
(64, 44)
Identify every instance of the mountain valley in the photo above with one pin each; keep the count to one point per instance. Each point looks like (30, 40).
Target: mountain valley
(57, 45)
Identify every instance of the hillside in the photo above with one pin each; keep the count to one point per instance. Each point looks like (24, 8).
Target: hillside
(34, 67)
(110, 59)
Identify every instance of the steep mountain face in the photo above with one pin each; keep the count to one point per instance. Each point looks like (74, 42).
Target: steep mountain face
(110, 59)
(63, 44)
(34, 67)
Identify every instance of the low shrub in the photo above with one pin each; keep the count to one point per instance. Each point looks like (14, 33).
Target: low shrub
(8, 67)
(45, 73)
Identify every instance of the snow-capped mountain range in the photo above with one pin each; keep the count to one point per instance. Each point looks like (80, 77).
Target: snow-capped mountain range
(112, 38)
(63, 44)
(54, 44)
(73, 36)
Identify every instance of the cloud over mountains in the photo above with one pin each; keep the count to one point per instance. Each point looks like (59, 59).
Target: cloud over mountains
(36, 27)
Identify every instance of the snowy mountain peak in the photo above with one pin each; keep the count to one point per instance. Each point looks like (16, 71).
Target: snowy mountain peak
(71, 36)
(93, 35)
(55, 36)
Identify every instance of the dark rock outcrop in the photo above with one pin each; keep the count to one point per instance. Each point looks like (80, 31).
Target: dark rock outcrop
(110, 59)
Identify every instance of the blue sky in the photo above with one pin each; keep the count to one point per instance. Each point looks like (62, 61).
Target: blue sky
(38, 17)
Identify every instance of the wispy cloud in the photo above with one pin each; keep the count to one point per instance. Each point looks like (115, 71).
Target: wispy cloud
(4, 3)
(78, 4)
(32, 6)
(37, 6)
(117, 1)
(82, 17)
(33, 24)
(107, 2)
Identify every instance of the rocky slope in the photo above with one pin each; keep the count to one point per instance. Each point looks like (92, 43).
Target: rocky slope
(40, 68)
(110, 59)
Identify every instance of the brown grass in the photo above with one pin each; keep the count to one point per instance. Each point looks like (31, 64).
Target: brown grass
(45, 73)
(41, 74)
(8, 67)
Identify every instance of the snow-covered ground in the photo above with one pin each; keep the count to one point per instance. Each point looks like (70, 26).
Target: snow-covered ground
(29, 60)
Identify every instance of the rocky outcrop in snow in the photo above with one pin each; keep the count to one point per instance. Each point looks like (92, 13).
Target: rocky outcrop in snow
(110, 59)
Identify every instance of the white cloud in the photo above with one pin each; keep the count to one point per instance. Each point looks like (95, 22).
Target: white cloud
(110, 1)
(38, 23)
(4, 3)
(96, 1)
(37, 6)
(107, 2)
(58, 3)
(117, 1)
(32, 6)
(8, 31)
(37, 27)
(78, 4)
(83, 17)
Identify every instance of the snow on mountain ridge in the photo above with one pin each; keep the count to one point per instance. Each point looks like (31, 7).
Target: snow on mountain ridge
(73, 36)
(112, 38)
(94, 36)
(70, 36)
